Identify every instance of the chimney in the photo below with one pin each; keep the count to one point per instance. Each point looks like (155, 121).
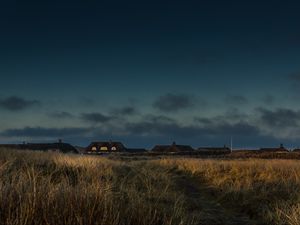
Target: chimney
(60, 141)
(281, 146)
(174, 143)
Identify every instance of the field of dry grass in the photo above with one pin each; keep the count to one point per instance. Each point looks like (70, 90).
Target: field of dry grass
(267, 191)
(54, 189)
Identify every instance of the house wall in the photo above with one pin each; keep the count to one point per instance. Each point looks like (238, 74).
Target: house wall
(104, 148)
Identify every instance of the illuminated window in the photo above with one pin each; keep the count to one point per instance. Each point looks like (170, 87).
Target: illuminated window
(114, 149)
(94, 148)
(104, 149)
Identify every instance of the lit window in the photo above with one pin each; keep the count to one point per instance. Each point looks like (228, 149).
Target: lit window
(104, 149)
(94, 148)
(114, 149)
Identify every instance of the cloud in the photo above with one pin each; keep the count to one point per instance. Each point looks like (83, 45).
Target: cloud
(174, 102)
(86, 101)
(241, 128)
(203, 121)
(42, 132)
(232, 115)
(268, 99)
(236, 99)
(162, 129)
(61, 115)
(147, 126)
(279, 118)
(159, 119)
(221, 125)
(124, 111)
(15, 103)
(282, 123)
(96, 117)
(206, 128)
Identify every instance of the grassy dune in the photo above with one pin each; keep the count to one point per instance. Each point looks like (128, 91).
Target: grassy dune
(49, 188)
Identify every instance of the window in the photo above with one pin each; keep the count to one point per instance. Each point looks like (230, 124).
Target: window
(103, 148)
(114, 149)
(94, 148)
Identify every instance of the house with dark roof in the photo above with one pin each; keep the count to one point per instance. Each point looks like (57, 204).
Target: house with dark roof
(105, 147)
(280, 149)
(50, 147)
(54, 147)
(110, 147)
(172, 148)
(214, 150)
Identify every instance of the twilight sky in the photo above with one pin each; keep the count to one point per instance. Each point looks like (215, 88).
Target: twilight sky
(149, 72)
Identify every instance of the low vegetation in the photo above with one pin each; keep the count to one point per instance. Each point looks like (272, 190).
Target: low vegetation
(51, 188)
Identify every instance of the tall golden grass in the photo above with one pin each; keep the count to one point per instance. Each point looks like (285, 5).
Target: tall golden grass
(47, 188)
(266, 190)
(54, 189)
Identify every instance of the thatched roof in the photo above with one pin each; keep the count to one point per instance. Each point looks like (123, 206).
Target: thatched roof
(59, 146)
(108, 144)
(280, 149)
(214, 149)
(274, 150)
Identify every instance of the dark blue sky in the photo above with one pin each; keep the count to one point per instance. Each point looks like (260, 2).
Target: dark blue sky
(147, 72)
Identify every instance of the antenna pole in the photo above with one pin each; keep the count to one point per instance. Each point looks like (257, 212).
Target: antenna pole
(231, 144)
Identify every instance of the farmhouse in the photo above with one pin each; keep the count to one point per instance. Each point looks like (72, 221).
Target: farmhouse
(214, 150)
(50, 147)
(280, 149)
(172, 148)
(102, 147)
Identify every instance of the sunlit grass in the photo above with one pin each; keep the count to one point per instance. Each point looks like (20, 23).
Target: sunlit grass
(47, 188)
(267, 190)
(52, 188)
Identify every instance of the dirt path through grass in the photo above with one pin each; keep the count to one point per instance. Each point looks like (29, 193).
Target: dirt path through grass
(201, 201)
(204, 205)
